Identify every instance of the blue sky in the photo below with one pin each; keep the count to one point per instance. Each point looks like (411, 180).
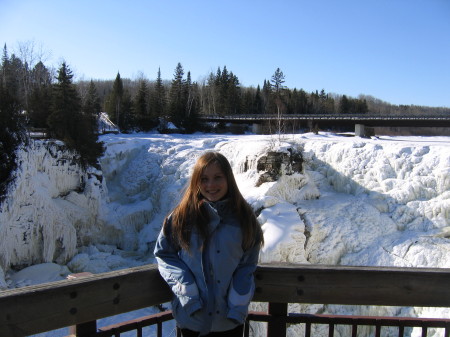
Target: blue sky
(395, 50)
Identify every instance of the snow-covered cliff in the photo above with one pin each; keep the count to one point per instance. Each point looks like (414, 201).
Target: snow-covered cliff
(53, 207)
(380, 201)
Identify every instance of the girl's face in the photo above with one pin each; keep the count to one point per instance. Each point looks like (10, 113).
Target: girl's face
(213, 183)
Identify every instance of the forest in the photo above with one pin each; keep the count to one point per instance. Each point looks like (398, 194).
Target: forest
(35, 95)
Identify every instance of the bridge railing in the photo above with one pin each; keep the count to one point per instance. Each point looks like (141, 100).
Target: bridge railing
(361, 117)
(80, 302)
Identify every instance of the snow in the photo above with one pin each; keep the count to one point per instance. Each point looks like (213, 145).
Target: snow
(383, 201)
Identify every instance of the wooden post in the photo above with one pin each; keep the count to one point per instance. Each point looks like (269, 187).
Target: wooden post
(277, 325)
(84, 329)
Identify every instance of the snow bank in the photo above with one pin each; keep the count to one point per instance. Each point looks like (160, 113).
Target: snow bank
(53, 207)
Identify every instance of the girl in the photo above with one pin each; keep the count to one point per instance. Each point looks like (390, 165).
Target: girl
(208, 250)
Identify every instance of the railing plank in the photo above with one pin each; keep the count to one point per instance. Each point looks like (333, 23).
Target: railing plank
(387, 286)
(50, 306)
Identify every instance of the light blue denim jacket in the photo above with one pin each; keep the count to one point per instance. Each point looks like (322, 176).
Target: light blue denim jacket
(212, 283)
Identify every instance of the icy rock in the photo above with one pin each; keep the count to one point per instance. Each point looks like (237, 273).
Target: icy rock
(3, 284)
(39, 273)
(79, 262)
(97, 266)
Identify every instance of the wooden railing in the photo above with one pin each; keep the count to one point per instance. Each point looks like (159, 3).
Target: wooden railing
(80, 302)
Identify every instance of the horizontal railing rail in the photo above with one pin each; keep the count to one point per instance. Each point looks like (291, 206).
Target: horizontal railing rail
(338, 119)
(80, 302)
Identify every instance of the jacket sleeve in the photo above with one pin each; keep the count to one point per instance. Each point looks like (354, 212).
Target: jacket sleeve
(177, 274)
(242, 285)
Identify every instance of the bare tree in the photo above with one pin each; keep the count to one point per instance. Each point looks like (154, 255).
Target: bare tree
(278, 88)
(30, 54)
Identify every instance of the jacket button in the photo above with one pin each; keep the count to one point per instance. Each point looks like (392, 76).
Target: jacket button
(218, 251)
(210, 313)
(218, 281)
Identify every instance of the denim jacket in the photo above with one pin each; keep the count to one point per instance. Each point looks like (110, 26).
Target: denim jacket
(213, 282)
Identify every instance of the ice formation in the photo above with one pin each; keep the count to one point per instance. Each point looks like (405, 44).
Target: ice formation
(378, 202)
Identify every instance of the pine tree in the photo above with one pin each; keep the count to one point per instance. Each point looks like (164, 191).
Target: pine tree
(267, 97)
(40, 97)
(344, 105)
(114, 102)
(159, 97)
(258, 104)
(278, 88)
(66, 106)
(11, 74)
(40, 106)
(91, 105)
(69, 124)
(141, 107)
(127, 116)
(5, 61)
(277, 82)
(177, 97)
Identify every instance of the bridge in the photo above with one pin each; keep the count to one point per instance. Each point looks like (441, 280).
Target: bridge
(324, 121)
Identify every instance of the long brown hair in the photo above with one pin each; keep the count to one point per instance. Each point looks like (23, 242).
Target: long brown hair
(190, 211)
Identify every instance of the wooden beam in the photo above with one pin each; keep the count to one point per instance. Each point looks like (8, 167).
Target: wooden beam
(386, 286)
(30, 310)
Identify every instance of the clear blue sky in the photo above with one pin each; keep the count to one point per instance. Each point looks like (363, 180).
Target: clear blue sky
(395, 50)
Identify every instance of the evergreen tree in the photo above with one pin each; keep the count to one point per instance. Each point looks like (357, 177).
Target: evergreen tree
(266, 96)
(68, 123)
(247, 99)
(114, 102)
(66, 105)
(277, 82)
(40, 106)
(40, 75)
(177, 98)
(12, 134)
(92, 105)
(225, 92)
(222, 83)
(127, 116)
(158, 102)
(11, 70)
(344, 105)
(258, 103)
(362, 106)
(40, 97)
(5, 61)
(278, 94)
(234, 95)
(141, 108)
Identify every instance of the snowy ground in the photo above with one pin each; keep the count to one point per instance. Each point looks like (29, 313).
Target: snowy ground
(380, 202)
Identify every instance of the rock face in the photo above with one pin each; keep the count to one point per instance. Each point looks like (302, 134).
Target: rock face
(275, 164)
(53, 207)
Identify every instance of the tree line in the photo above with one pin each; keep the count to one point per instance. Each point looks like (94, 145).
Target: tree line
(33, 95)
(144, 104)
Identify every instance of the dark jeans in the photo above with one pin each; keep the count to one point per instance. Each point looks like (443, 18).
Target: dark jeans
(236, 332)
